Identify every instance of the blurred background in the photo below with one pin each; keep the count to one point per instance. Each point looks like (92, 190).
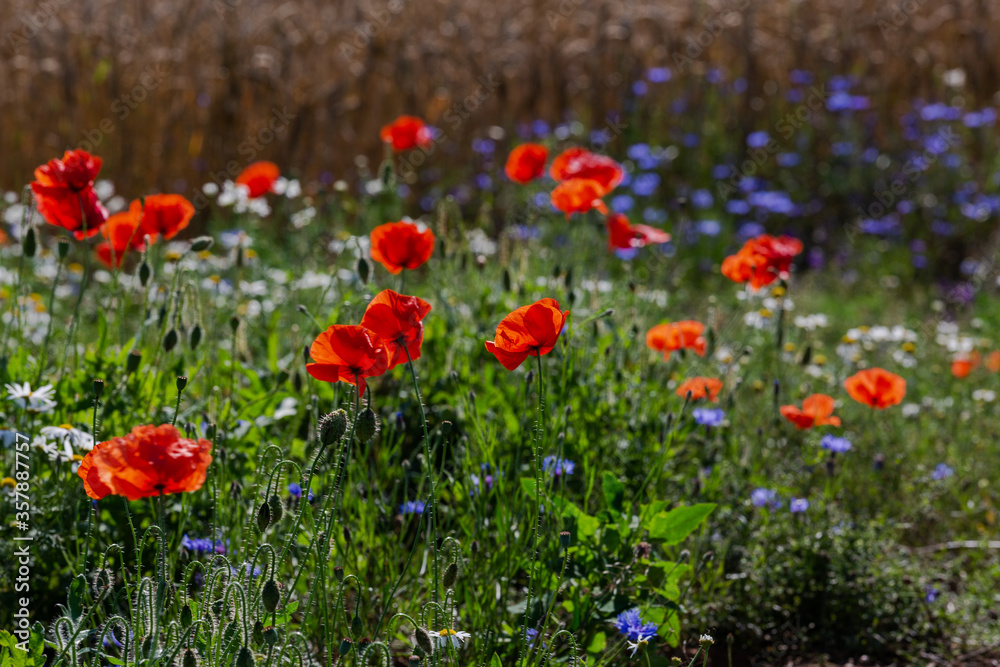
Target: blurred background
(168, 91)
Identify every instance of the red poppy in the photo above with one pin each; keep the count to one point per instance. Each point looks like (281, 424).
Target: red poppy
(817, 410)
(622, 235)
(700, 387)
(407, 132)
(396, 319)
(529, 331)
(401, 245)
(762, 260)
(348, 353)
(123, 233)
(963, 364)
(578, 195)
(147, 462)
(580, 163)
(165, 215)
(259, 178)
(64, 192)
(526, 163)
(876, 387)
(993, 361)
(686, 334)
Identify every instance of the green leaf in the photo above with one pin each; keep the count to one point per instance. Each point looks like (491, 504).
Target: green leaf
(495, 662)
(597, 644)
(528, 484)
(614, 491)
(673, 526)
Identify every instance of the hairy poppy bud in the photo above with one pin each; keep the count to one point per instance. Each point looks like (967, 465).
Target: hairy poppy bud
(190, 660)
(244, 658)
(170, 340)
(195, 337)
(357, 627)
(263, 517)
(234, 323)
(367, 425)
(275, 504)
(186, 616)
(258, 632)
(338, 573)
(269, 596)
(424, 640)
(30, 244)
(63, 248)
(202, 243)
(145, 273)
(450, 575)
(345, 646)
(363, 270)
(332, 427)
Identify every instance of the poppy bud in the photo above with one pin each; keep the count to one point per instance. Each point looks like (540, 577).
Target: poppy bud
(189, 659)
(367, 425)
(234, 323)
(282, 378)
(414, 661)
(305, 353)
(258, 633)
(424, 640)
(506, 280)
(446, 427)
(186, 617)
(529, 377)
(357, 627)
(269, 596)
(195, 336)
(263, 517)
(332, 427)
(202, 243)
(210, 431)
(345, 646)
(564, 539)
(569, 279)
(806, 355)
(182, 382)
(239, 257)
(170, 340)
(145, 273)
(450, 575)
(572, 298)
(275, 505)
(708, 557)
(363, 270)
(271, 636)
(643, 550)
(98, 388)
(338, 573)
(245, 658)
(475, 547)
(347, 534)
(30, 243)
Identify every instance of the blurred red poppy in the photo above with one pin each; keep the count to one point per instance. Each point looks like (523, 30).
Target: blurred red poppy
(348, 353)
(401, 245)
(993, 361)
(963, 364)
(407, 132)
(123, 232)
(622, 235)
(259, 178)
(817, 410)
(396, 319)
(700, 387)
(580, 163)
(529, 331)
(876, 387)
(578, 195)
(147, 462)
(165, 215)
(673, 336)
(526, 163)
(762, 260)
(64, 193)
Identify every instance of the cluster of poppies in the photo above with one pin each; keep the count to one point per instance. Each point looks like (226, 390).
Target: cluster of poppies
(65, 195)
(762, 260)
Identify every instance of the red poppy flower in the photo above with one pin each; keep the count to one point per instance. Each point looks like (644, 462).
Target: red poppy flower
(529, 331)
(963, 364)
(407, 132)
(578, 195)
(147, 462)
(165, 215)
(700, 387)
(762, 260)
(526, 163)
(401, 245)
(64, 193)
(622, 235)
(123, 233)
(259, 178)
(580, 163)
(876, 387)
(993, 361)
(817, 410)
(396, 319)
(686, 334)
(348, 353)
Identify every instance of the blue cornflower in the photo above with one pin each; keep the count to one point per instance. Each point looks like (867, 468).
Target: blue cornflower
(295, 491)
(640, 88)
(658, 74)
(702, 198)
(533, 638)
(942, 471)
(762, 497)
(758, 139)
(638, 151)
(788, 159)
(797, 505)
(630, 624)
(709, 416)
(203, 545)
(412, 507)
(931, 593)
(557, 467)
(481, 483)
(622, 203)
(708, 227)
(645, 185)
(835, 443)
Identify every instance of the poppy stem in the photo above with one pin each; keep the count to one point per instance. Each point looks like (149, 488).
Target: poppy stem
(432, 525)
(539, 437)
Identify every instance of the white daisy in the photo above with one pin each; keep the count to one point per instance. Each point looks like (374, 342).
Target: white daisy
(67, 433)
(38, 400)
(448, 636)
(641, 640)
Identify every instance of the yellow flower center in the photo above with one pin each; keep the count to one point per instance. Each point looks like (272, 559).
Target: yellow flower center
(820, 359)
(8, 481)
(909, 347)
(764, 312)
(77, 458)
(66, 426)
(446, 632)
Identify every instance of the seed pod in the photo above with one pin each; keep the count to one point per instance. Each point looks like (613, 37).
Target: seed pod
(275, 504)
(506, 280)
(258, 633)
(271, 636)
(195, 337)
(269, 596)
(424, 640)
(345, 646)
(63, 248)
(338, 573)
(263, 517)
(145, 273)
(234, 323)
(182, 382)
(414, 661)
(186, 617)
(190, 660)
(202, 243)
(30, 245)
(98, 388)
(446, 427)
(367, 425)
(357, 626)
(450, 575)
(564, 539)
(363, 270)
(170, 340)
(245, 658)
(332, 427)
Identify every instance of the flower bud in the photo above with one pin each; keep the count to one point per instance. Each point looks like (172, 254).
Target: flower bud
(274, 502)
(345, 646)
(190, 660)
(98, 388)
(271, 636)
(234, 323)
(363, 270)
(63, 247)
(357, 627)
(332, 427)
(30, 244)
(450, 575)
(263, 517)
(202, 243)
(424, 640)
(367, 425)
(182, 382)
(257, 635)
(446, 427)
(145, 273)
(338, 573)
(186, 616)
(269, 596)
(244, 658)
(564, 539)
(195, 337)
(170, 340)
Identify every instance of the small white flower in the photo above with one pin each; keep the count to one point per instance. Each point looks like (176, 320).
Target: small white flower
(38, 400)
(448, 636)
(287, 408)
(642, 640)
(984, 395)
(66, 433)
